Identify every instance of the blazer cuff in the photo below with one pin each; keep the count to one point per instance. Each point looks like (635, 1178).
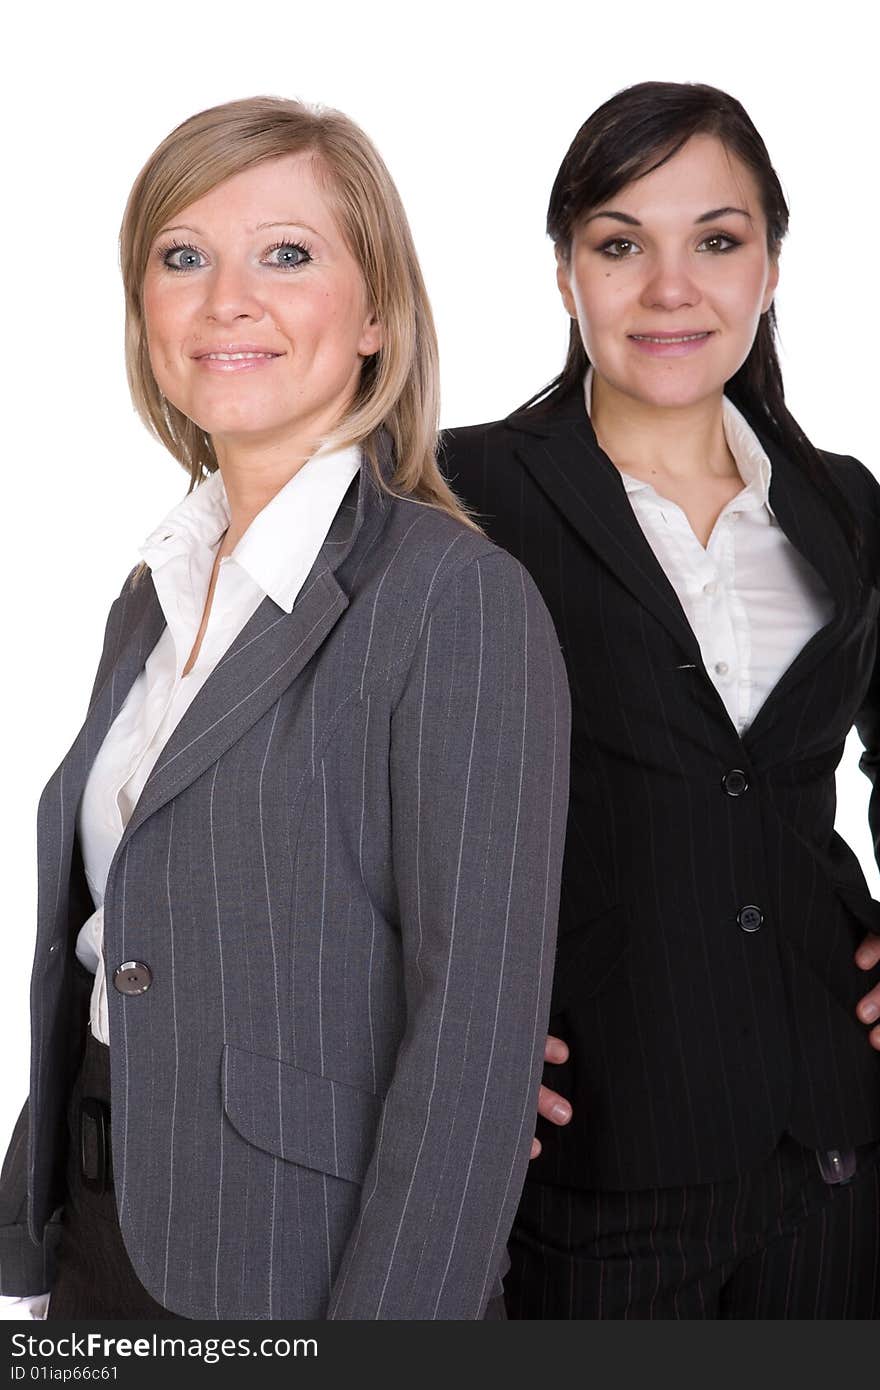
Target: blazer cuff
(24, 1266)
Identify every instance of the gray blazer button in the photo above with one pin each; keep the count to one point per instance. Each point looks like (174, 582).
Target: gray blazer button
(132, 977)
(750, 917)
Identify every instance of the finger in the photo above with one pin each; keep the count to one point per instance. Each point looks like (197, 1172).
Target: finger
(553, 1107)
(555, 1050)
(868, 954)
(536, 1149)
(868, 1009)
(874, 1038)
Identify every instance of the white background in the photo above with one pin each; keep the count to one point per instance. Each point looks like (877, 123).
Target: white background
(473, 106)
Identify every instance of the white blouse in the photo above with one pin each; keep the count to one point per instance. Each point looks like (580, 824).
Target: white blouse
(272, 558)
(751, 598)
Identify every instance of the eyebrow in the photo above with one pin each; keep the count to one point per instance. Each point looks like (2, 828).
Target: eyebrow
(260, 227)
(634, 222)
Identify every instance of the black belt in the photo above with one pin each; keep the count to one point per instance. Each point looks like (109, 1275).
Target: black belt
(94, 1144)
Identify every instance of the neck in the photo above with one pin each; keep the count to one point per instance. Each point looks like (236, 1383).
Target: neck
(683, 442)
(256, 466)
(252, 477)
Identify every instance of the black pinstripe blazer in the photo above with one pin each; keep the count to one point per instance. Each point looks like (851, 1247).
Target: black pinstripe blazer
(694, 1042)
(343, 873)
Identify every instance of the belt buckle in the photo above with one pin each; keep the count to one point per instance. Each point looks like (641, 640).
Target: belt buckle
(94, 1143)
(837, 1166)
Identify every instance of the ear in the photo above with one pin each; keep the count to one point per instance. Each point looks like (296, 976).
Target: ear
(563, 281)
(772, 282)
(371, 337)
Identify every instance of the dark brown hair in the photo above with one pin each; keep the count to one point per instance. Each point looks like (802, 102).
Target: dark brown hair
(628, 136)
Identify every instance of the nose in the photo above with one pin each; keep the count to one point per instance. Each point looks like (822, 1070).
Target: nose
(669, 285)
(230, 294)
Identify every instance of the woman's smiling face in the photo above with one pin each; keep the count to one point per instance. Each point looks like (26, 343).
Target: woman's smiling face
(680, 252)
(258, 266)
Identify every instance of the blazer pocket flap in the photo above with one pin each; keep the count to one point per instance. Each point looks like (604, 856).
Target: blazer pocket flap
(587, 956)
(298, 1115)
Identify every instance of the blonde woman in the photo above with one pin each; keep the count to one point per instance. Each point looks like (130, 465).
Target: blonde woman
(299, 871)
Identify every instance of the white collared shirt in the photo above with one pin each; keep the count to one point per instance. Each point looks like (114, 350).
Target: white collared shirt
(272, 558)
(751, 598)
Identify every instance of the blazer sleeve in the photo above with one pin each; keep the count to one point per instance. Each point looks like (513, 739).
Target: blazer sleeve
(866, 504)
(479, 784)
(25, 1267)
(867, 725)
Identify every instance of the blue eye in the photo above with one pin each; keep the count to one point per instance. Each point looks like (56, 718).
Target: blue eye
(181, 256)
(189, 253)
(290, 249)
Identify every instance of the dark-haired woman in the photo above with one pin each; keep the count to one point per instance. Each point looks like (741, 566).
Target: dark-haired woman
(713, 579)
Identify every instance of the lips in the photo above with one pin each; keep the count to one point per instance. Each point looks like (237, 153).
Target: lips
(670, 337)
(237, 356)
(235, 352)
(236, 359)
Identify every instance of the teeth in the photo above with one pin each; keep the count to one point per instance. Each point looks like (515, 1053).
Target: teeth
(236, 356)
(686, 338)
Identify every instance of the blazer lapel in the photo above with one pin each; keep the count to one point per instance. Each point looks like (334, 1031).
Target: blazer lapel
(140, 624)
(134, 625)
(561, 452)
(264, 659)
(810, 525)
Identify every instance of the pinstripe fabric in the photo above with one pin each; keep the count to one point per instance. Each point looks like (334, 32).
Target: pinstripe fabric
(776, 1243)
(343, 872)
(94, 1276)
(688, 1060)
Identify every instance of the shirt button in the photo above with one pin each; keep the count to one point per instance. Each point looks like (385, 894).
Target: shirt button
(710, 588)
(750, 917)
(721, 668)
(735, 782)
(132, 977)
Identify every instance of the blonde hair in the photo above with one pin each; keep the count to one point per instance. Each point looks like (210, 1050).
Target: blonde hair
(399, 385)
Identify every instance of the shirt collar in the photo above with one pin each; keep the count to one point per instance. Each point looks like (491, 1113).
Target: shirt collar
(749, 455)
(282, 542)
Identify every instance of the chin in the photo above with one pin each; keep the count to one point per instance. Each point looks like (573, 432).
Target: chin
(240, 421)
(673, 389)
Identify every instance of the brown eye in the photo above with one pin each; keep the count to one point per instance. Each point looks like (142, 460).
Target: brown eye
(613, 248)
(713, 242)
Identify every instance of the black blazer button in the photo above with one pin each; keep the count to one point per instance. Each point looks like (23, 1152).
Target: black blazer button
(750, 917)
(132, 977)
(735, 782)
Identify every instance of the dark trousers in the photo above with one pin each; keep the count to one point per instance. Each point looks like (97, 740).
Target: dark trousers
(778, 1242)
(95, 1277)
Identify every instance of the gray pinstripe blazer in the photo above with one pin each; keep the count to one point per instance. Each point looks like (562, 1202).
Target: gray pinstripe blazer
(343, 873)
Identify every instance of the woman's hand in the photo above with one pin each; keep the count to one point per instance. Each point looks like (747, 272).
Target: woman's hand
(553, 1107)
(867, 956)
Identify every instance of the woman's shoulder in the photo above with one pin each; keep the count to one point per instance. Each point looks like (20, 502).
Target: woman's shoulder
(463, 444)
(427, 534)
(860, 484)
(860, 487)
(429, 550)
